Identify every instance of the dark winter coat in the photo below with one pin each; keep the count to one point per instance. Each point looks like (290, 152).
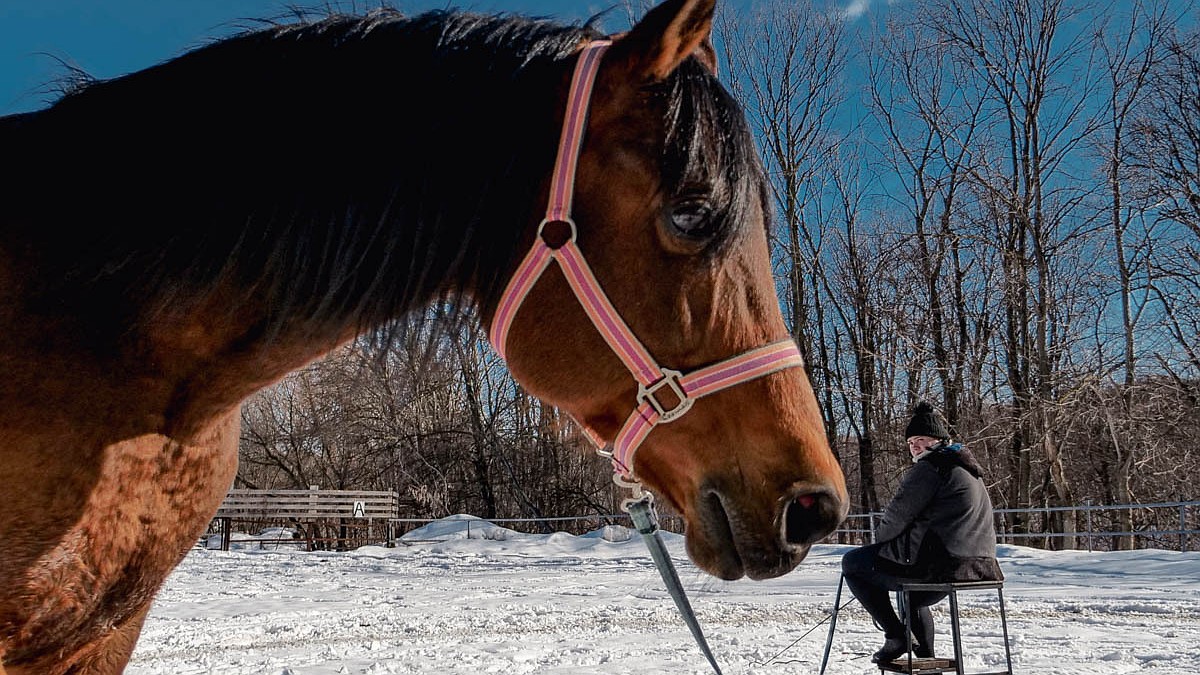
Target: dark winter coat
(939, 524)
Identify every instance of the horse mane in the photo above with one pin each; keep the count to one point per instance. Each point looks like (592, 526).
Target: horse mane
(345, 170)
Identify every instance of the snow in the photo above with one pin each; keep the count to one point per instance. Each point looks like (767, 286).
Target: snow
(501, 601)
(271, 538)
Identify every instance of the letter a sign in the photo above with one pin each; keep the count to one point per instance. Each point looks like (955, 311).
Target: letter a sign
(360, 509)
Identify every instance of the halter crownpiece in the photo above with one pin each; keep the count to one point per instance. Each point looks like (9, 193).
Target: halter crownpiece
(653, 380)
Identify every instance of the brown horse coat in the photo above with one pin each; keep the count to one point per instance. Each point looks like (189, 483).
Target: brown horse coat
(174, 240)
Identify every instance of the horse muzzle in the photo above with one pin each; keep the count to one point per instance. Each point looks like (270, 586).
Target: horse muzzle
(730, 539)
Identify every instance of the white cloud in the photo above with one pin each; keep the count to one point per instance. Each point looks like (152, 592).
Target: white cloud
(855, 9)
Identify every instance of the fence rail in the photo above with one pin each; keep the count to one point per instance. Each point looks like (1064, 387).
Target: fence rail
(1096, 532)
(476, 528)
(320, 518)
(1166, 525)
(266, 504)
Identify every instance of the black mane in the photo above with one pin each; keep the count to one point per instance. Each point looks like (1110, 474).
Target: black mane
(345, 170)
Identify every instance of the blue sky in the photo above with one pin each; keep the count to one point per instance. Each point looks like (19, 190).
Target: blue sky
(115, 37)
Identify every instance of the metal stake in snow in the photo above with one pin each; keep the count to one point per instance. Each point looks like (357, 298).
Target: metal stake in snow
(646, 522)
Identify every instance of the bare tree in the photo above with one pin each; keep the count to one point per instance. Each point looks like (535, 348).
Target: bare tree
(1132, 46)
(785, 62)
(436, 418)
(855, 292)
(927, 128)
(1035, 83)
(1167, 148)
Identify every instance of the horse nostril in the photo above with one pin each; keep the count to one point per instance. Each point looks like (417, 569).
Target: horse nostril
(809, 516)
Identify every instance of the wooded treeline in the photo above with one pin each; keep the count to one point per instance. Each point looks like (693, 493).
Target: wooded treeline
(439, 421)
(993, 205)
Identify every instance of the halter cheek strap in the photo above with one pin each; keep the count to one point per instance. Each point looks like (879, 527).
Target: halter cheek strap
(653, 380)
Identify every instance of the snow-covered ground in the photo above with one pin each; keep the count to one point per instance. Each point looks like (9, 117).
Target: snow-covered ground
(504, 602)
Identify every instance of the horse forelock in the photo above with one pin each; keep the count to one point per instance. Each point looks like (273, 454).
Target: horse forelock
(345, 170)
(708, 142)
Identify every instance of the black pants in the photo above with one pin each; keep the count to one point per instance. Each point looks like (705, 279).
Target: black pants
(871, 578)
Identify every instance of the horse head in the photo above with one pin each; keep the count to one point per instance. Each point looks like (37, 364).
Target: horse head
(669, 212)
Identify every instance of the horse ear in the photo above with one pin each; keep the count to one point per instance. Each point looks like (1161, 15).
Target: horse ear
(667, 35)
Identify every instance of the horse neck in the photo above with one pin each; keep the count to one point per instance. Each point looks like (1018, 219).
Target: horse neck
(248, 205)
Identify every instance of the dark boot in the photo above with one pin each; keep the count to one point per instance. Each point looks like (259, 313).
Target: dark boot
(893, 648)
(923, 632)
(922, 621)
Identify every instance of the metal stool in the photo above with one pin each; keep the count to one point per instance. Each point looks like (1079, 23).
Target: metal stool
(915, 666)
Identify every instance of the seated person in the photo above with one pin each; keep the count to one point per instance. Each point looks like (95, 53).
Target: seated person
(937, 528)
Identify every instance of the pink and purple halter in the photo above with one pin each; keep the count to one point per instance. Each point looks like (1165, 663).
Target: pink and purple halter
(651, 378)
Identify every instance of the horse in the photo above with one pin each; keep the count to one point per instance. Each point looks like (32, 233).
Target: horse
(175, 239)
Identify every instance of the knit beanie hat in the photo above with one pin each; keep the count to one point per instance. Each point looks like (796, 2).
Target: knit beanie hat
(925, 422)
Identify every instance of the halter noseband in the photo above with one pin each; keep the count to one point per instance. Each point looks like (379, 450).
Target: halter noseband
(651, 378)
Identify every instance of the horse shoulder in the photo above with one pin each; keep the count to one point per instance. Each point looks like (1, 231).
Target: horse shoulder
(94, 531)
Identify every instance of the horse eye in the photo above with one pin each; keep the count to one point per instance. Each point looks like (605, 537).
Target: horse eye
(693, 220)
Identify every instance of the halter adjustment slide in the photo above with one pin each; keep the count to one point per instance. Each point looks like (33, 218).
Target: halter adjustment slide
(671, 380)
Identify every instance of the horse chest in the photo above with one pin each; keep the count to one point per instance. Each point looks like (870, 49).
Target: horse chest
(100, 531)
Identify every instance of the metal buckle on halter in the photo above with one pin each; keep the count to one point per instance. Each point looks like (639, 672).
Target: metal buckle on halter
(670, 378)
(638, 493)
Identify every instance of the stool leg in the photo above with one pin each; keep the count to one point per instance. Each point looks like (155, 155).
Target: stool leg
(908, 626)
(954, 629)
(837, 603)
(1004, 626)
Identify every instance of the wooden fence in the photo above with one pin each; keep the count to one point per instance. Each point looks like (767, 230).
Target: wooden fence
(320, 518)
(347, 518)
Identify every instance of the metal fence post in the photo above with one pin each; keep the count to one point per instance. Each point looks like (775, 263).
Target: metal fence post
(1183, 537)
(1088, 502)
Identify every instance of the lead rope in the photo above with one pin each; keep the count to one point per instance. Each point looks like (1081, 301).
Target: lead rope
(832, 619)
(646, 521)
